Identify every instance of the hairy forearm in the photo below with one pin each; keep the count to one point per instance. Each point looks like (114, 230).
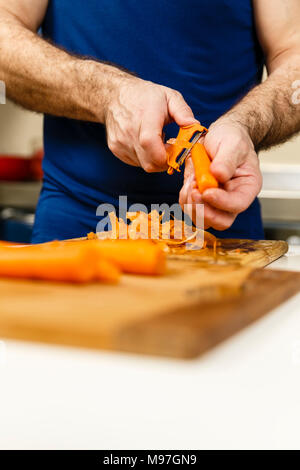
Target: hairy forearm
(46, 79)
(271, 111)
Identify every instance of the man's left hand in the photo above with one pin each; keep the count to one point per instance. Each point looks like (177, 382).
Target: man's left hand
(235, 165)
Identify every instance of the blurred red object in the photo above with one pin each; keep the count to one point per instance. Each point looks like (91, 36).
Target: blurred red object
(16, 168)
(36, 165)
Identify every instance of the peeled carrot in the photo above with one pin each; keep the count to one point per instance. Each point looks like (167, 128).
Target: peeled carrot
(131, 256)
(82, 261)
(106, 271)
(135, 256)
(55, 261)
(47, 263)
(5, 243)
(201, 161)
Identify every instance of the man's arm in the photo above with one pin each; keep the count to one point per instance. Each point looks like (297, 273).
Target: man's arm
(271, 112)
(267, 116)
(44, 78)
(39, 76)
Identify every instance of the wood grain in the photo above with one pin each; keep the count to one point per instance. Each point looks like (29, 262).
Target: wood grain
(190, 331)
(201, 301)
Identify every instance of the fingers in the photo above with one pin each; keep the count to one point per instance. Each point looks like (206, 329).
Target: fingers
(135, 119)
(216, 219)
(235, 165)
(118, 143)
(125, 154)
(237, 200)
(189, 169)
(179, 110)
(230, 153)
(190, 199)
(184, 195)
(139, 143)
(150, 148)
(189, 182)
(213, 218)
(152, 151)
(238, 193)
(231, 201)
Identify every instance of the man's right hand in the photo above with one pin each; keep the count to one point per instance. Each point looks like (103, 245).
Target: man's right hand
(135, 115)
(133, 110)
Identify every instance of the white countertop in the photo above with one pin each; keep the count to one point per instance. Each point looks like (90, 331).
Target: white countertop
(243, 394)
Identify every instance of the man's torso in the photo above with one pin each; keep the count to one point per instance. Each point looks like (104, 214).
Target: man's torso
(206, 50)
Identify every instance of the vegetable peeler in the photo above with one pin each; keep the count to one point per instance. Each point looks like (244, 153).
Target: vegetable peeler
(182, 146)
(186, 144)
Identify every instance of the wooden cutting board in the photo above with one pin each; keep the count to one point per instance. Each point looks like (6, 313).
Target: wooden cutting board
(198, 303)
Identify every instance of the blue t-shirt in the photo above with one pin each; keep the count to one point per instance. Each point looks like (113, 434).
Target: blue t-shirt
(206, 49)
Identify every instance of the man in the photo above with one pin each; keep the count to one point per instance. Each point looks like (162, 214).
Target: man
(110, 75)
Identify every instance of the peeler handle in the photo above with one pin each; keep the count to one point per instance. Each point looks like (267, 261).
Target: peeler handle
(186, 133)
(181, 143)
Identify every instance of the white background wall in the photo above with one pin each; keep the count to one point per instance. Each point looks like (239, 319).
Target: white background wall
(20, 131)
(288, 153)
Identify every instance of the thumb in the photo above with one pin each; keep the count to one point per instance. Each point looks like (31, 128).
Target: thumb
(225, 157)
(179, 110)
(189, 171)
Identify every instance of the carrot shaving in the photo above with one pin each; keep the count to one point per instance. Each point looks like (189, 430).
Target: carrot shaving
(168, 234)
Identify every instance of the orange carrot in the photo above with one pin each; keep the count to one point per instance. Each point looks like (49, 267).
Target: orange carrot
(201, 161)
(135, 256)
(106, 271)
(5, 243)
(82, 261)
(55, 261)
(131, 256)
